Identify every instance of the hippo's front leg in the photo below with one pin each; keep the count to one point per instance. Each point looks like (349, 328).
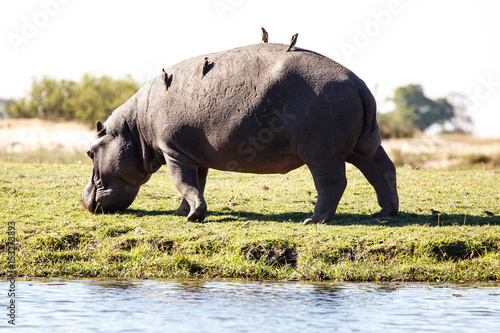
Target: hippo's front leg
(190, 181)
(184, 209)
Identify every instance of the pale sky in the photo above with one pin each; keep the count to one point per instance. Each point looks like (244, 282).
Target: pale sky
(447, 46)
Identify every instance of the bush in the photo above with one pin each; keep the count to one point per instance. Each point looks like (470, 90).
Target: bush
(92, 98)
(393, 126)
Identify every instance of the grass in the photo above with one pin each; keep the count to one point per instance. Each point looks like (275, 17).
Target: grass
(45, 157)
(55, 237)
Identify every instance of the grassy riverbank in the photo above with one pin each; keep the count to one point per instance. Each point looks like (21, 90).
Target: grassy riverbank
(56, 237)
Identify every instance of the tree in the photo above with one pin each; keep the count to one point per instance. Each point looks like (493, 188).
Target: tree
(46, 100)
(91, 99)
(414, 112)
(95, 98)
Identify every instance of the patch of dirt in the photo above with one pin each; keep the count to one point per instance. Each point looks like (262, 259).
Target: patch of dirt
(270, 253)
(19, 136)
(440, 152)
(128, 244)
(459, 145)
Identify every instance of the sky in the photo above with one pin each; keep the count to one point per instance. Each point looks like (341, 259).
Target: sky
(446, 46)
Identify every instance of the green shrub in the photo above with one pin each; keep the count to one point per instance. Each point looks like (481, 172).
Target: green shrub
(88, 100)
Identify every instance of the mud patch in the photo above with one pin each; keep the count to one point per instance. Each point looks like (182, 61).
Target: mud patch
(126, 244)
(271, 253)
(154, 244)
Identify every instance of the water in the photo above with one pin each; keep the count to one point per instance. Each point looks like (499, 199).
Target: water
(58, 305)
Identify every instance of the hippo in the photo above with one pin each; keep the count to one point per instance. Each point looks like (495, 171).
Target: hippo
(257, 109)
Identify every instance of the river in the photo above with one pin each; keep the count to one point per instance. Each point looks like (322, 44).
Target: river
(108, 305)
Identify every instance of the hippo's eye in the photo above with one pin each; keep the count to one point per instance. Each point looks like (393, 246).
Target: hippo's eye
(90, 154)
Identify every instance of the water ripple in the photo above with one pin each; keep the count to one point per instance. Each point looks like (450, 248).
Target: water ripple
(56, 305)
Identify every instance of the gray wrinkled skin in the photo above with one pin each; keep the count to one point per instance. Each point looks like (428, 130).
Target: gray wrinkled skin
(258, 109)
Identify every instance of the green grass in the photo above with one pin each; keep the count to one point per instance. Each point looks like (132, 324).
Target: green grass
(45, 156)
(55, 237)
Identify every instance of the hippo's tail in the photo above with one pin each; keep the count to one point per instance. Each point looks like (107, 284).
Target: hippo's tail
(370, 112)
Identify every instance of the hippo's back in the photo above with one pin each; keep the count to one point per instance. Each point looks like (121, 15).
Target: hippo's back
(286, 100)
(252, 70)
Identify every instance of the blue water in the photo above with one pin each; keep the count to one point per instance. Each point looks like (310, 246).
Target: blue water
(58, 305)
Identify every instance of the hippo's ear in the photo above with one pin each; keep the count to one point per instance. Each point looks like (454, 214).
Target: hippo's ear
(101, 130)
(99, 126)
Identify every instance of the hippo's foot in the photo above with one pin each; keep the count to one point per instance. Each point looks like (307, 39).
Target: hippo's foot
(392, 211)
(183, 209)
(198, 215)
(317, 219)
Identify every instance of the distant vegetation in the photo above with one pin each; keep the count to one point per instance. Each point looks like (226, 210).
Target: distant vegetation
(414, 113)
(94, 98)
(88, 100)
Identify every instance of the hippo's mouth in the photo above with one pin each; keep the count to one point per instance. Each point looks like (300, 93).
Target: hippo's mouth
(89, 196)
(96, 198)
(109, 196)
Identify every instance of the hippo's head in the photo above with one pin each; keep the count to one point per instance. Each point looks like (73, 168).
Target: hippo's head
(119, 168)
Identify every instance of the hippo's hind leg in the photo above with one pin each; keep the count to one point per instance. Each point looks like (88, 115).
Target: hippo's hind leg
(190, 181)
(381, 174)
(330, 182)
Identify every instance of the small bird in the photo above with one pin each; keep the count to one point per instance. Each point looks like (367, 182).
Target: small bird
(205, 67)
(489, 213)
(164, 75)
(435, 212)
(265, 36)
(292, 42)
(246, 224)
